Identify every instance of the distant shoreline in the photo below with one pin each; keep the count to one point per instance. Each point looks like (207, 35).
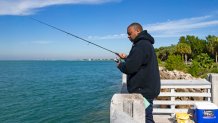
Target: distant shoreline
(63, 60)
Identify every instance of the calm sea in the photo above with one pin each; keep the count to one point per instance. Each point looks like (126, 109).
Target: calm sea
(57, 91)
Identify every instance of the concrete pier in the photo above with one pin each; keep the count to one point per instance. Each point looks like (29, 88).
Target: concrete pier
(127, 108)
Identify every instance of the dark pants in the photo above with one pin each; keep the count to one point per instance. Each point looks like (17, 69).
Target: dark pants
(148, 111)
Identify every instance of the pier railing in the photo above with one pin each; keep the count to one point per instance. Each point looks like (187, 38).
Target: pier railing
(169, 101)
(173, 97)
(175, 94)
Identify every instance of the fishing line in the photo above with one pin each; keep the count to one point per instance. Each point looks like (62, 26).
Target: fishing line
(73, 35)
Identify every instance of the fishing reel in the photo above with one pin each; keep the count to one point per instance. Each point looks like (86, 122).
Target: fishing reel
(117, 60)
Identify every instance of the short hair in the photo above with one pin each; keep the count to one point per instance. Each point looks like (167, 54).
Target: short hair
(136, 26)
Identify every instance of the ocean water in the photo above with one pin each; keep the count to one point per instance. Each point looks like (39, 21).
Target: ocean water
(57, 91)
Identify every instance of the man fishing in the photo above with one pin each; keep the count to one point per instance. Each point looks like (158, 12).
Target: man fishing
(141, 67)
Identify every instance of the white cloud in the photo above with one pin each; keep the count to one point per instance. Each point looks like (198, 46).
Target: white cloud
(27, 7)
(182, 24)
(116, 36)
(178, 27)
(175, 28)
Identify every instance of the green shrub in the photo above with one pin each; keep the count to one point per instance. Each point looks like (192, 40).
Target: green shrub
(160, 63)
(201, 65)
(195, 69)
(204, 61)
(214, 69)
(175, 62)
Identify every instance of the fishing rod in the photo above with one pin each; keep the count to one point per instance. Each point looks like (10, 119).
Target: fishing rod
(74, 35)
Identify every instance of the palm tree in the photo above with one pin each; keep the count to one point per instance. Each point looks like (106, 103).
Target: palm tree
(183, 49)
(212, 45)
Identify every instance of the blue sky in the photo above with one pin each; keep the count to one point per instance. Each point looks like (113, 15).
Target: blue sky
(101, 21)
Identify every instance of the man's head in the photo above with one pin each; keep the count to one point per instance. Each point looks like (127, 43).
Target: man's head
(133, 30)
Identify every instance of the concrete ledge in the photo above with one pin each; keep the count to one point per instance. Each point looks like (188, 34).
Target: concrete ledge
(213, 78)
(127, 108)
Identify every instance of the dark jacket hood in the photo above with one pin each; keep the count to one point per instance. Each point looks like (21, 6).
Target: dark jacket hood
(144, 35)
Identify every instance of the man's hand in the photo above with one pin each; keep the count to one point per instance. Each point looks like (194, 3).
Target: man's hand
(122, 55)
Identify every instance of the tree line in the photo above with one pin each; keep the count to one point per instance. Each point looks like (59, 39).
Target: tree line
(191, 54)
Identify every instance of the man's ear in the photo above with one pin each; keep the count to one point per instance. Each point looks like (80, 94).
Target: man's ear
(138, 30)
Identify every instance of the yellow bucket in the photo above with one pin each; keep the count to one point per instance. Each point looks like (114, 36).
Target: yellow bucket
(183, 118)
